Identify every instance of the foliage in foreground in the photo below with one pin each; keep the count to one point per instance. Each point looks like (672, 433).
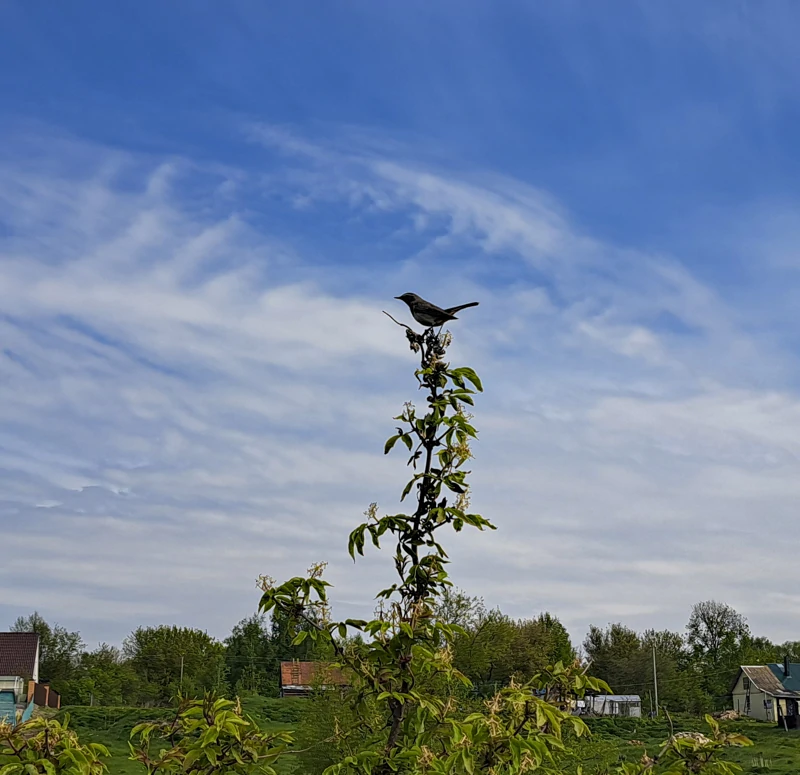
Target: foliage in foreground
(49, 747)
(207, 736)
(691, 752)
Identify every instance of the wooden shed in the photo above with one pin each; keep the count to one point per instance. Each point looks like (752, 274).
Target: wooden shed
(300, 679)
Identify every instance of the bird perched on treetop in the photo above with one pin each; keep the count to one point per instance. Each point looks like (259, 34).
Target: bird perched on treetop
(428, 314)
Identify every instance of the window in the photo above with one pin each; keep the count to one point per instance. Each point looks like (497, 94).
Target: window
(746, 684)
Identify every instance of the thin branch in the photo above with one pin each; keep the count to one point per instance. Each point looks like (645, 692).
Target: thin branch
(400, 324)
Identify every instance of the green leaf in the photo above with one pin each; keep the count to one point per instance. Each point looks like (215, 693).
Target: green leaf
(407, 441)
(453, 485)
(375, 535)
(390, 443)
(191, 757)
(300, 637)
(407, 489)
(469, 374)
(356, 541)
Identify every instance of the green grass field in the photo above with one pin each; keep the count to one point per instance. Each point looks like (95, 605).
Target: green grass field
(615, 740)
(774, 752)
(112, 726)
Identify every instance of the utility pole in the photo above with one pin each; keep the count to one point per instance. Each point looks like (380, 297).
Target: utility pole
(655, 678)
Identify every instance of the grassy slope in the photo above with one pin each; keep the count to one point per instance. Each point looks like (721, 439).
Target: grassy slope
(611, 743)
(111, 727)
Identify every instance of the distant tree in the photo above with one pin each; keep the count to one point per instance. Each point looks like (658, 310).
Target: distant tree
(713, 627)
(59, 650)
(457, 607)
(559, 644)
(104, 677)
(538, 643)
(494, 648)
(678, 686)
(791, 649)
(666, 643)
(719, 639)
(484, 653)
(760, 651)
(530, 649)
(624, 658)
(616, 656)
(156, 655)
(251, 657)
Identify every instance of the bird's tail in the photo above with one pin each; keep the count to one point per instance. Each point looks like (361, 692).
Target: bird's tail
(453, 310)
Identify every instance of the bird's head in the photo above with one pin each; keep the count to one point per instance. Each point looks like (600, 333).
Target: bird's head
(409, 298)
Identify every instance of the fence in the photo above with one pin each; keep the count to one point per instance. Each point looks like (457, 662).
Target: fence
(43, 696)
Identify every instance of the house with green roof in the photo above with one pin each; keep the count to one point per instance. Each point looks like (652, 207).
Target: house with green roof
(769, 693)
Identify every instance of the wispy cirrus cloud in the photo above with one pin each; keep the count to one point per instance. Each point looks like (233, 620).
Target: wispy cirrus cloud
(193, 394)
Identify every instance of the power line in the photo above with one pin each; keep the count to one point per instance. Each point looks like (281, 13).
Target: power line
(682, 677)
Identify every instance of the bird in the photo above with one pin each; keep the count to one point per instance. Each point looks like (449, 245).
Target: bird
(429, 315)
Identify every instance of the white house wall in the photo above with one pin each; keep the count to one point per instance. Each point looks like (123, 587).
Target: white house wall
(757, 698)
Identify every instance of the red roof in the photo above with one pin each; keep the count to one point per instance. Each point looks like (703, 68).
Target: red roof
(310, 673)
(18, 653)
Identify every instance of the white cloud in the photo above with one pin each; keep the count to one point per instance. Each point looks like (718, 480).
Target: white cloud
(190, 398)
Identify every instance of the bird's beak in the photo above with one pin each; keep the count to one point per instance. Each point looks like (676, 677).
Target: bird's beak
(397, 297)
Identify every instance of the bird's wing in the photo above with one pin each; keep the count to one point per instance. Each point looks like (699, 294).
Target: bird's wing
(426, 308)
(453, 310)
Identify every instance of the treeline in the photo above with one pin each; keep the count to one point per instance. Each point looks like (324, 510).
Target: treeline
(494, 648)
(156, 664)
(694, 669)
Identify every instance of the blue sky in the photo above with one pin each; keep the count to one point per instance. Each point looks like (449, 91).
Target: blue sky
(204, 208)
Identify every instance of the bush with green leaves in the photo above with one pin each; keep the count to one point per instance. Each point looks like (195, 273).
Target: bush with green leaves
(44, 746)
(210, 736)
